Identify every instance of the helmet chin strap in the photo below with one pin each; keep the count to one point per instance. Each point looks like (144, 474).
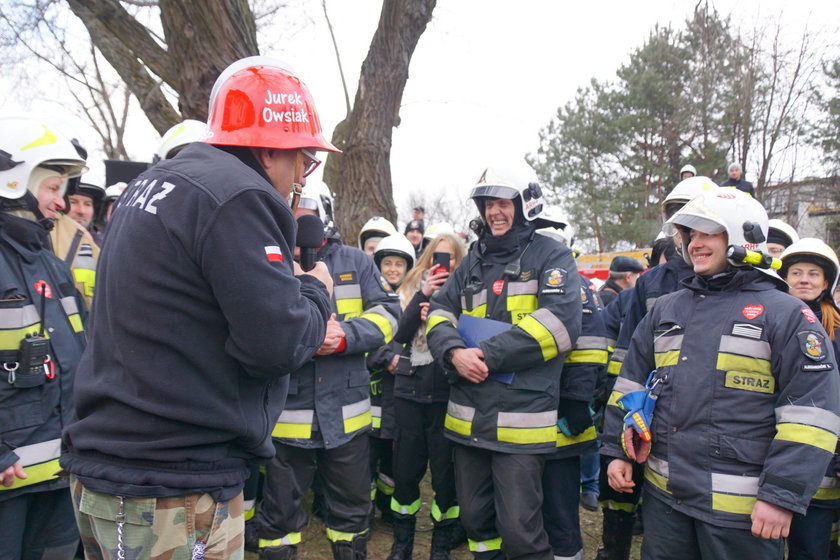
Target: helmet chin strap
(297, 187)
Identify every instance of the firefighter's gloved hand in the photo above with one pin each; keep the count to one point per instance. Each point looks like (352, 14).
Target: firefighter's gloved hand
(575, 417)
(636, 437)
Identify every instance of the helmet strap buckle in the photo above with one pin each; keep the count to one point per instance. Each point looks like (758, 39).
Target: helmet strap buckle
(297, 189)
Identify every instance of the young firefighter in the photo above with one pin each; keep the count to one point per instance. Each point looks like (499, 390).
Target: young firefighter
(744, 423)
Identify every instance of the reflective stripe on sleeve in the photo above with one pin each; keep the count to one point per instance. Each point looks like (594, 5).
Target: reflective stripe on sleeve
(807, 425)
(439, 316)
(548, 331)
(383, 320)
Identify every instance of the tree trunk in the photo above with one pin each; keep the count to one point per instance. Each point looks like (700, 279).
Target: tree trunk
(363, 182)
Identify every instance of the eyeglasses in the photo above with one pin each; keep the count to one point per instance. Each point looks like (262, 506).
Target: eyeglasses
(311, 162)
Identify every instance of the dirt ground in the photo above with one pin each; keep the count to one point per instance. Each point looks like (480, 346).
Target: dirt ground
(315, 545)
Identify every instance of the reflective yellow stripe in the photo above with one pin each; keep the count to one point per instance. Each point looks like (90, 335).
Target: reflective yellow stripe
(349, 308)
(381, 323)
(250, 508)
(10, 338)
(463, 427)
(828, 490)
(339, 536)
(87, 277)
(589, 434)
(409, 509)
(35, 474)
(808, 435)
(614, 368)
(526, 435)
(290, 539)
(384, 486)
(663, 359)
(484, 546)
(76, 323)
(656, 479)
(586, 357)
(733, 362)
(357, 422)
(614, 396)
(733, 504)
(619, 506)
(542, 335)
(376, 422)
(526, 303)
(452, 513)
(478, 311)
(435, 320)
(294, 424)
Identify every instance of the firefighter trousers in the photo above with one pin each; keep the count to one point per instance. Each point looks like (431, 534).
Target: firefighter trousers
(420, 441)
(500, 496)
(561, 489)
(672, 535)
(346, 485)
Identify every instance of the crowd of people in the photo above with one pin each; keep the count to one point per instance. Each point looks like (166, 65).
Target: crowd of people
(184, 364)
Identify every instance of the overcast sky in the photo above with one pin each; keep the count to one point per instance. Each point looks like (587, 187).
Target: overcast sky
(487, 75)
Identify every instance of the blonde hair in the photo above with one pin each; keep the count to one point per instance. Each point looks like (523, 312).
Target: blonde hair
(412, 281)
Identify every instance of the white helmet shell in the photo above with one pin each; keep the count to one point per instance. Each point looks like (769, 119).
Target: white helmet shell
(724, 209)
(510, 181)
(376, 227)
(437, 229)
(688, 169)
(114, 191)
(785, 229)
(178, 136)
(26, 144)
(395, 244)
(810, 246)
(316, 196)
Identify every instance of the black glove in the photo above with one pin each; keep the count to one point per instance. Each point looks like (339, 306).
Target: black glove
(576, 414)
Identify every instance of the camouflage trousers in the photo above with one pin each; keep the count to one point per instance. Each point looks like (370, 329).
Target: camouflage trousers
(191, 527)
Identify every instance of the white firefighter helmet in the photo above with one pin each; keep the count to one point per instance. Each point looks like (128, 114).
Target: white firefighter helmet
(511, 181)
(316, 196)
(177, 137)
(785, 230)
(26, 144)
(683, 192)
(688, 169)
(553, 223)
(115, 191)
(437, 229)
(724, 209)
(375, 227)
(395, 245)
(810, 249)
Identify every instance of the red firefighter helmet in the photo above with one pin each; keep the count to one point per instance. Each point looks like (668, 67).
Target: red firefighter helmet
(259, 102)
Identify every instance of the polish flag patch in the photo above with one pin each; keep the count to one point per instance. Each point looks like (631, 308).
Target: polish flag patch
(752, 311)
(273, 253)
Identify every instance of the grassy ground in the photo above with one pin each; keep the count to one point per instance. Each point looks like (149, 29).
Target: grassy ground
(315, 545)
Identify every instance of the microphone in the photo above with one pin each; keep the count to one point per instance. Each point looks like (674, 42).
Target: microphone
(310, 237)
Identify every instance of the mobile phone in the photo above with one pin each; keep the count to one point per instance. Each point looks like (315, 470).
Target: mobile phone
(441, 260)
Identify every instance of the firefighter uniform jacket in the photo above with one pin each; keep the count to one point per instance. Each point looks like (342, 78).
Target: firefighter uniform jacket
(329, 397)
(745, 410)
(582, 367)
(658, 281)
(541, 299)
(73, 244)
(35, 406)
(199, 321)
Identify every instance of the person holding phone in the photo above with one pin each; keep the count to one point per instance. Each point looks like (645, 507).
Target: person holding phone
(421, 393)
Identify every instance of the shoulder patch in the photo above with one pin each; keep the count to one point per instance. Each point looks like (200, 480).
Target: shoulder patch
(526, 275)
(812, 345)
(583, 298)
(555, 278)
(809, 315)
(752, 311)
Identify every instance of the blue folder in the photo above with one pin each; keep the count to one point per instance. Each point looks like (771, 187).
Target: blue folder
(476, 329)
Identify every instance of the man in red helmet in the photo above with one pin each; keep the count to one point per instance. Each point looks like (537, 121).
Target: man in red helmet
(201, 315)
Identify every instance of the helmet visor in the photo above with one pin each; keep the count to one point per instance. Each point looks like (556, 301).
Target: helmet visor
(494, 191)
(309, 204)
(692, 221)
